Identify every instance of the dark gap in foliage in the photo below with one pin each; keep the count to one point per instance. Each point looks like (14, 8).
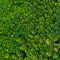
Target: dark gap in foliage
(38, 51)
(0, 21)
(46, 9)
(5, 34)
(28, 4)
(59, 52)
(2, 8)
(12, 20)
(37, 33)
(19, 4)
(1, 35)
(22, 36)
(31, 2)
(57, 42)
(13, 54)
(11, 33)
(54, 0)
(27, 46)
(45, 34)
(19, 35)
(48, 58)
(54, 21)
(13, 2)
(37, 16)
(24, 54)
(59, 26)
(41, 0)
(5, 58)
(1, 45)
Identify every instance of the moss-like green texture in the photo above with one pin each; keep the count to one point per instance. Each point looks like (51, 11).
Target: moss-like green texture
(29, 29)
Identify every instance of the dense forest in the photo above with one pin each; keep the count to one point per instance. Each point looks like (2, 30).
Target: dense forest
(29, 29)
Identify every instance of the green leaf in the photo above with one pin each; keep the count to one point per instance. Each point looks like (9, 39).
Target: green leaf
(1, 40)
(49, 28)
(52, 32)
(57, 11)
(56, 55)
(54, 14)
(52, 25)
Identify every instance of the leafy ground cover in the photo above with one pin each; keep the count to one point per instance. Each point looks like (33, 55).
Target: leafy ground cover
(29, 30)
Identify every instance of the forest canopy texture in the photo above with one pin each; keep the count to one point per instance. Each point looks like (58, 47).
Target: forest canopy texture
(29, 29)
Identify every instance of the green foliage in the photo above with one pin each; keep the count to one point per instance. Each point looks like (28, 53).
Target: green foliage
(29, 30)
(55, 56)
